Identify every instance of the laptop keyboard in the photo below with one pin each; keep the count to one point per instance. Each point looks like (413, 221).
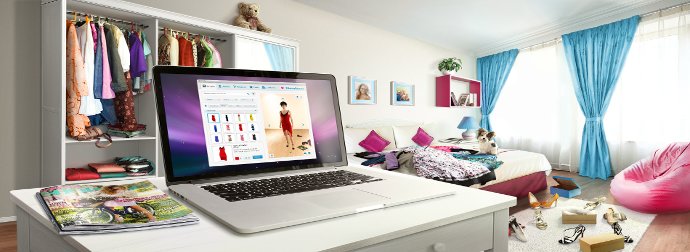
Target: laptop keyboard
(262, 188)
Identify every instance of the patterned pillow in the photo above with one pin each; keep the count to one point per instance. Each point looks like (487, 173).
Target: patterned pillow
(422, 138)
(374, 142)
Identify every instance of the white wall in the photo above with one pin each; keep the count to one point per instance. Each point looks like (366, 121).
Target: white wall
(340, 46)
(20, 98)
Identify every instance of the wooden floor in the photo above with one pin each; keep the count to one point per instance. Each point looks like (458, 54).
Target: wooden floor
(667, 233)
(8, 236)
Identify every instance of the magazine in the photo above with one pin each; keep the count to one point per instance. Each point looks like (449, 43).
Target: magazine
(93, 209)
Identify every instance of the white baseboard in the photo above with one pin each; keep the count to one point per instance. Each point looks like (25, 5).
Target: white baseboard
(8, 219)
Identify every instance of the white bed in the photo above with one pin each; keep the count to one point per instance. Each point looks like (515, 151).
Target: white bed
(516, 163)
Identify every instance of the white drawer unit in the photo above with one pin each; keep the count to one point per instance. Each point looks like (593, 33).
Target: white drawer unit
(474, 234)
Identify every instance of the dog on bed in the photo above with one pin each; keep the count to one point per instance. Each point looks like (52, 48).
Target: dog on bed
(487, 145)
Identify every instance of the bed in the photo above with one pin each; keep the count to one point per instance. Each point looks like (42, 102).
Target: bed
(522, 171)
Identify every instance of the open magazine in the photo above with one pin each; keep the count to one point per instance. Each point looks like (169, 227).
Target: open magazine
(93, 209)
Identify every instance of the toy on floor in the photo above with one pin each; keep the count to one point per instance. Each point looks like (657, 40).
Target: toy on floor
(487, 145)
(658, 184)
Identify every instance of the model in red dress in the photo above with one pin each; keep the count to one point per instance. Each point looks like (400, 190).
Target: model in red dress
(286, 124)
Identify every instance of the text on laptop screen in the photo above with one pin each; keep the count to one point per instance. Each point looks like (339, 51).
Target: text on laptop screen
(203, 141)
(254, 122)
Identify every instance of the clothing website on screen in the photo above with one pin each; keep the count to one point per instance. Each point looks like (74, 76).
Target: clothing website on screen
(253, 122)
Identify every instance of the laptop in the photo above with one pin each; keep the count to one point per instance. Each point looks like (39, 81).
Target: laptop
(261, 150)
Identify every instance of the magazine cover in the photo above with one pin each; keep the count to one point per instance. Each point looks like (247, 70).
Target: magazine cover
(136, 205)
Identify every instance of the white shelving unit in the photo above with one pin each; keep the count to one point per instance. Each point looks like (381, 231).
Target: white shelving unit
(58, 151)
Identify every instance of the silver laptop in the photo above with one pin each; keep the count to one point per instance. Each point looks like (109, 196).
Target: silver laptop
(261, 150)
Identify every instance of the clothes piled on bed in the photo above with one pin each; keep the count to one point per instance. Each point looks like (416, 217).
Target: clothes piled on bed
(487, 160)
(432, 163)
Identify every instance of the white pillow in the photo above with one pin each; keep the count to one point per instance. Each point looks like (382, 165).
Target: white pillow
(355, 135)
(404, 134)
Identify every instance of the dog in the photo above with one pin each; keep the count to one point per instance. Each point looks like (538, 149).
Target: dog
(487, 145)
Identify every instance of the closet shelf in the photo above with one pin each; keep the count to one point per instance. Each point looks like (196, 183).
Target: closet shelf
(70, 140)
(107, 180)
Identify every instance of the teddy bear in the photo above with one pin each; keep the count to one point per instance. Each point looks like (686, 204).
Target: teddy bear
(249, 18)
(487, 145)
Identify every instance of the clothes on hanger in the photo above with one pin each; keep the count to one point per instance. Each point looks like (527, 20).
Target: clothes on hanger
(89, 104)
(107, 91)
(186, 54)
(104, 63)
(216, 62)
(76, 84)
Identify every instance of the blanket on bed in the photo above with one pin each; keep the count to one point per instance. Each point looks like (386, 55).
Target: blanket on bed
(433, 164)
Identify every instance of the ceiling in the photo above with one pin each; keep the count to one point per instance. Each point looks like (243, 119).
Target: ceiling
(480, 26)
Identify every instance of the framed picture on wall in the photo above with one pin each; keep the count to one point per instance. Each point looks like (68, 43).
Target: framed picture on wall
(402, 94)
(362, 91)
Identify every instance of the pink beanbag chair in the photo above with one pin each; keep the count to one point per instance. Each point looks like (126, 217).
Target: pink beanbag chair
(659, 184)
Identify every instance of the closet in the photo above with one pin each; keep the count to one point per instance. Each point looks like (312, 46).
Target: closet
(238, 48)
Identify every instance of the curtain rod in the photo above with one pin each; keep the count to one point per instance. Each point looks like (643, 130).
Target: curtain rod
(191, 34)
(107, 19)
(556, 40)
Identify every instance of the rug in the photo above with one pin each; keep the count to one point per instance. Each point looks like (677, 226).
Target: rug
(547, 240)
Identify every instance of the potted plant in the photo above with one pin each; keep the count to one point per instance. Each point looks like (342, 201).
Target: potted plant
(450, 65)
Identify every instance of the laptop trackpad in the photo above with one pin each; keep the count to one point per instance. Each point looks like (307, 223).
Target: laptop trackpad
(345, 199)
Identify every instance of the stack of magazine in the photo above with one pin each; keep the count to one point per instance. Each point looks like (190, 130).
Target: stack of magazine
(95, 209)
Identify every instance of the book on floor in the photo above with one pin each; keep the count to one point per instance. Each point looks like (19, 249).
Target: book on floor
(92, 209)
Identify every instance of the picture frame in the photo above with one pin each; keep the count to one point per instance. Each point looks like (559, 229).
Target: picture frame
(463, 99)
(362, 91)
(402, 94)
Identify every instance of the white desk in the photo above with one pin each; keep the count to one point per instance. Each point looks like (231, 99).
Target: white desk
(471, 220)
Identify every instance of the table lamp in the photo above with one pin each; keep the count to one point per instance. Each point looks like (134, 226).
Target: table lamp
(470, 125)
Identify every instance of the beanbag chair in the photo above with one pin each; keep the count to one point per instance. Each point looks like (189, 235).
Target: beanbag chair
(659, 184)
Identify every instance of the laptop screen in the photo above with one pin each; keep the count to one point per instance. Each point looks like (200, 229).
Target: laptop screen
(231, 122)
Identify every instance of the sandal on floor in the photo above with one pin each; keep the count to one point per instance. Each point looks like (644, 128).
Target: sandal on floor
(578, 232)
(617, 229)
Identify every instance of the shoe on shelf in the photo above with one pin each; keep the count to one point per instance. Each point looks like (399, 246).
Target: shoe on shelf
(516, 228)
(577, 232)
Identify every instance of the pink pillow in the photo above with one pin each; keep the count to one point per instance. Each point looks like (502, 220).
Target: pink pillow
(422, 138)
(373, 142)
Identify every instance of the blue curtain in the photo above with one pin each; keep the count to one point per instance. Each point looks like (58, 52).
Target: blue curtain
(595, 58)
(282, 58)
(493, 71)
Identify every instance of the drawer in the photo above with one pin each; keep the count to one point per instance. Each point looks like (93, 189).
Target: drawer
(474, 234)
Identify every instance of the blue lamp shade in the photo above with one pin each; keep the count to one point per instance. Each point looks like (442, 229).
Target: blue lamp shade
(468, 123)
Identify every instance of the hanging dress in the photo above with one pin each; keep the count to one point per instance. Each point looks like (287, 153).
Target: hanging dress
(107, 92)
(89, 104)
(76, 84)
(174, 51)
(164, 50)
(217, 62)
(186, 54)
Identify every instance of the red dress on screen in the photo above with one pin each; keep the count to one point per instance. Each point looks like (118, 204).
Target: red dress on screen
(222, 154)
(285, 122)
